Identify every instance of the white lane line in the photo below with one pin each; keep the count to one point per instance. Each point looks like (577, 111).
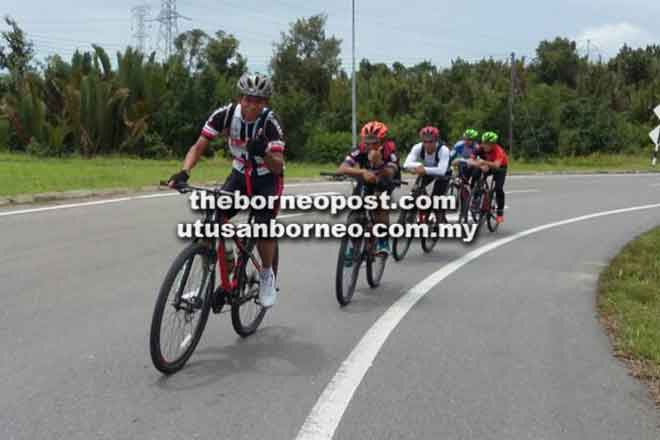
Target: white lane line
(127, 199)
(522, 191)
(329, 409)
(80, 205)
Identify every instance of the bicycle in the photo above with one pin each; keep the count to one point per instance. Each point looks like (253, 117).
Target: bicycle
(400, 246)
(191, 280)
(483, 205)
(459, 187)
(362, 249)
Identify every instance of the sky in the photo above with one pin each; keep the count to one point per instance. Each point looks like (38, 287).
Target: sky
(408, 32)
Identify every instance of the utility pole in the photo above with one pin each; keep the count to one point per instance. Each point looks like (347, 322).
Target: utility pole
(168, 17)
(511, 97)
(140, 13)
(354, 87)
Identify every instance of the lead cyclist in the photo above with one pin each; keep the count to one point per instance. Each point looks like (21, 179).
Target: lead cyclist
(256, 141)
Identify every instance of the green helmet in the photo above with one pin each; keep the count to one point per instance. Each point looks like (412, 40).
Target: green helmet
(489, 137)
(471, 134)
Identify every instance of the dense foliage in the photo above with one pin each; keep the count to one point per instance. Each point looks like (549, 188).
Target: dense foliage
(138, 105)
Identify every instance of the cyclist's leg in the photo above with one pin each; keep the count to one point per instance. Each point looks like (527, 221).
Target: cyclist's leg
(500, 177)
(234, 182)
(267, 186)
(440, 189)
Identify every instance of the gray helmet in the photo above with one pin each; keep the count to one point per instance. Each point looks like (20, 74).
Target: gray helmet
(255, 84)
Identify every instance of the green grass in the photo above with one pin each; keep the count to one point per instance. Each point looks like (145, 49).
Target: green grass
(22, 174)
(629, 302)
(592, 163)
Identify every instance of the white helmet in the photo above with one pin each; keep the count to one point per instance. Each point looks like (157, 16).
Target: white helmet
(255, 84)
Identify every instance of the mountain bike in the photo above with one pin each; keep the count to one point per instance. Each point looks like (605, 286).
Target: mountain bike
(355, 251)
(188, 292)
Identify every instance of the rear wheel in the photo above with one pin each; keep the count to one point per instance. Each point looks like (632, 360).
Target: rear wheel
(182, 308)
(464, 204)
(246, 311)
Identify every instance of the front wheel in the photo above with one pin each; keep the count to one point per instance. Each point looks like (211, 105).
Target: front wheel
(348, 268)
(492, 214)
(428, 243)
(246, 311)
(182, 308)
(401, 245)
(375, 265)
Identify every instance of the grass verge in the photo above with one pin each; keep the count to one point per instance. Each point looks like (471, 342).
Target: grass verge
(629, 306)
(23, 174)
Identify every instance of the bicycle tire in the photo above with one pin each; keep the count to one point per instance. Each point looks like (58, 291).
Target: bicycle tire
(344, 293)
(400, 246)
(247, 291)
(492, 214)
(429, 243)
(162, 364)
(375, 268)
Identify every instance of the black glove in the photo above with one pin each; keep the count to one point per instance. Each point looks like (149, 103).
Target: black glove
(180, 178)
(257, 146)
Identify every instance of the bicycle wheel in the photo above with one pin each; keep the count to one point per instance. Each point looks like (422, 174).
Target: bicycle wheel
(401, 245)
(492, 214)
(476, 202)
(348, 269)
(429, 243)
(375, 267)
(464, 204)
(182, 308)
(246, 312)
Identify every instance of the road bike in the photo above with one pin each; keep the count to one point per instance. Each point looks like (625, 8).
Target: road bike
(189, 292)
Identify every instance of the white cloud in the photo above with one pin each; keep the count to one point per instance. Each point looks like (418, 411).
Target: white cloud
(609, 38)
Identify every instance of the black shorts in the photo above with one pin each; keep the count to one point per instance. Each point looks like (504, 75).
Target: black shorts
(267, 185)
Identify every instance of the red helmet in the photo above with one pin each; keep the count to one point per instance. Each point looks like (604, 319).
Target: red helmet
(429, 134)
(373, 131)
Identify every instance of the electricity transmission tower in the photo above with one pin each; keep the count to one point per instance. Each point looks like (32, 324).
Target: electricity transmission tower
(168, 17)
(139, 27)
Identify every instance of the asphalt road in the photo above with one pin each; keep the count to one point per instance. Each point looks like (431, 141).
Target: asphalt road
(507, 347)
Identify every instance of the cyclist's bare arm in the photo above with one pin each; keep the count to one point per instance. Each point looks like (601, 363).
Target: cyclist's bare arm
(351, 170)
(195, 152)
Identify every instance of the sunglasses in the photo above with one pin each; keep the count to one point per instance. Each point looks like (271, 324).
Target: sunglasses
(254, 99)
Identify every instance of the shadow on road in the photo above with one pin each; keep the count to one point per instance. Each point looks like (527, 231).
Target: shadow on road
(274, 351)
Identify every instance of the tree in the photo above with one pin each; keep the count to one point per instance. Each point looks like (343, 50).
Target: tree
(18, 54)
(557, 62)
(306, 59)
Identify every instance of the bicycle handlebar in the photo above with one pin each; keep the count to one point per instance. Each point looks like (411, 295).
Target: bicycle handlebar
(336, 176)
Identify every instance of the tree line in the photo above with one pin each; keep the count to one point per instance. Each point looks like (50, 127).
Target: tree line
(564, 103)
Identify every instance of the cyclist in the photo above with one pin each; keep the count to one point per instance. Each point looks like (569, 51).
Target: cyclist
(256, 142)
(376, 162)
(429, 159)
(493, 160)
(465, 149)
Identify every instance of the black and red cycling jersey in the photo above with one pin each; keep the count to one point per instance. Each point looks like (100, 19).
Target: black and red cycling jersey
(229, 122)
(496, 154)
(360, 156)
